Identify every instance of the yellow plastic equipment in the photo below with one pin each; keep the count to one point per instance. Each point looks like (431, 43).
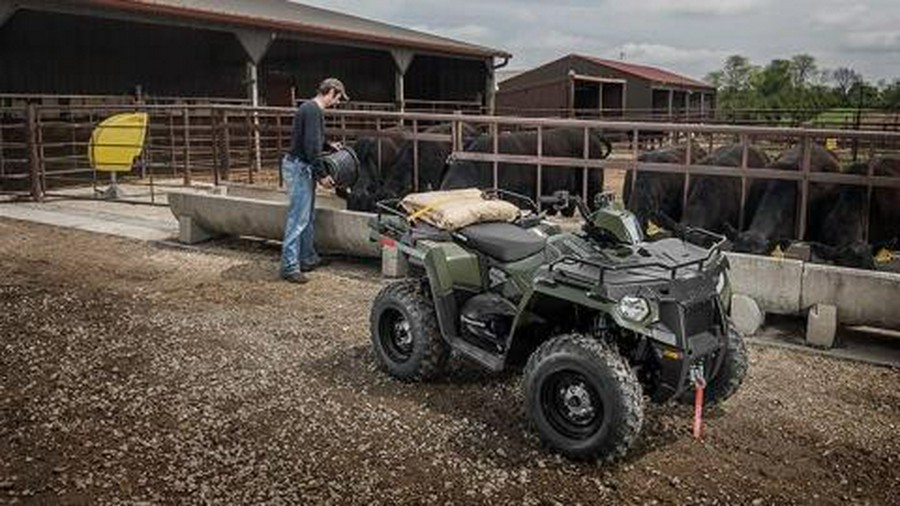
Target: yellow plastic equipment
(117, 141)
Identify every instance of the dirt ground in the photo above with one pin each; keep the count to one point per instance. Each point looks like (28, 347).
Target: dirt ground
(133, 372)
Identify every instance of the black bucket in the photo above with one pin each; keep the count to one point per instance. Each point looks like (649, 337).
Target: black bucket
(342, 166)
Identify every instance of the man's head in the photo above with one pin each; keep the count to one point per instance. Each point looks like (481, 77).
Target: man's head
(332, 92)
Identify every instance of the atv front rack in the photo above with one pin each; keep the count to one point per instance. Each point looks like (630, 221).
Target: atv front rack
(605, 266)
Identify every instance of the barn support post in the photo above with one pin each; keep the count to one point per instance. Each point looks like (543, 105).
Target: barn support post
(671, 102)
(402, 60)
(415, 139)
(34, 159)
(586, 153)
(490, 88)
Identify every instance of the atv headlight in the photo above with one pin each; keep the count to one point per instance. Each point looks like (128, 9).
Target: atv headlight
(634, 308)
(720, 283)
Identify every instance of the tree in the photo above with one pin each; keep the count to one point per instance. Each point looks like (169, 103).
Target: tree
(803, 69)
(737, 72)
(844, 77)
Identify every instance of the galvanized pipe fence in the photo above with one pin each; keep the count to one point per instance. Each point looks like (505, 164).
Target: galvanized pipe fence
(43, 148)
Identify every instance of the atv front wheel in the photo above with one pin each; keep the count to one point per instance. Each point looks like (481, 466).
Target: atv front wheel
(405, 332)
(583, 398)
(728, 378)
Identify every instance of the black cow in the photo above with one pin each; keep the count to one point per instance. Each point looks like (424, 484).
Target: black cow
(520, 178)
(885, 212)
(658, 192)
(714, 201)
(839, 237)
(774, 219)
(367, 190)
(432, 156)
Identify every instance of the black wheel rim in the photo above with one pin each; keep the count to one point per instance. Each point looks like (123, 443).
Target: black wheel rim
(571, 404)
(395, 335)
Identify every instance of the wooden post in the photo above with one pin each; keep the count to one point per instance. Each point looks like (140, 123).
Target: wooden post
(214, 145)
(634, 162)
(689, 160)
(745, 149)
(251, 146)
(804, 186)
(172, 143)
(415, 127)
(34, 160)
(187, 146)
(496, 149)
(584, 170)
(540, 153)
(226, 147)
(280, 144)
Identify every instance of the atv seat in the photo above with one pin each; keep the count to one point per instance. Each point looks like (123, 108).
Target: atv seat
(504, 241)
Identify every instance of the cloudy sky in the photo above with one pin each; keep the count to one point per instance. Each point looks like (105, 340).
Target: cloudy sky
(687, 36)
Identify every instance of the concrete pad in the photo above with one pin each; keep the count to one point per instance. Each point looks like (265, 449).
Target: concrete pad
(746, 315)
(862, 297)
(141, 222)
(774, 283)
(821, 326)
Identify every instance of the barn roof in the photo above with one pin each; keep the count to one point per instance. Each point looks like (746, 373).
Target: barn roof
(646, 72)
(283, 15)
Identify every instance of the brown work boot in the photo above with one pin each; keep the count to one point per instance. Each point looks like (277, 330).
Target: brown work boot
(294, 277)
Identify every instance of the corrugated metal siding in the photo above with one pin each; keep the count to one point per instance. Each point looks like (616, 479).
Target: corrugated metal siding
(367, 73)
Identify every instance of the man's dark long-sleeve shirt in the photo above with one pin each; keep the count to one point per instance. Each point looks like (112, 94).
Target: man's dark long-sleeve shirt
(308, 135)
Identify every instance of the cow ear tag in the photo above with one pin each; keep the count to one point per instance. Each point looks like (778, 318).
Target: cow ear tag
(777, 252)
(884, 256)
(652, 228)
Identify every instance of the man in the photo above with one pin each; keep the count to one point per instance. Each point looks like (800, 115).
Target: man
(300, 168)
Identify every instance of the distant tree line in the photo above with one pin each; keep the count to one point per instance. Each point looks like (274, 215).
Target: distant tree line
(798, 84)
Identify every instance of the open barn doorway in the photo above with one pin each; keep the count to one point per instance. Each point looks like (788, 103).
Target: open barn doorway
(598, 98)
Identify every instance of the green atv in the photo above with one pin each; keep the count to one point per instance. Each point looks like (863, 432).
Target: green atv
(599, 318)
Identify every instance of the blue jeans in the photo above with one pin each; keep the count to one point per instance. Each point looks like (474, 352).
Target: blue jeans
(298, 246)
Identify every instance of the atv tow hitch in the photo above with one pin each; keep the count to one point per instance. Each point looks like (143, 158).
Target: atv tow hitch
(699, 381)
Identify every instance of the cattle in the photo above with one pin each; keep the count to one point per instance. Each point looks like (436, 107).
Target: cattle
(521, 178)
(774, 220)
(885, 209)
(839, 236)
(715, 201)
(432, 159)
(367, 189)
(658, 192)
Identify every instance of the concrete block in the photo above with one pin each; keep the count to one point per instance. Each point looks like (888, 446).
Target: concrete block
(862, 297)
(337, 231)
(746, 315)
(393, 263)
(190, 232)
(821, 326)
(774, 283)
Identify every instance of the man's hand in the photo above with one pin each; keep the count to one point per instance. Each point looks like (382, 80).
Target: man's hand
(327, 182)
(335, 146)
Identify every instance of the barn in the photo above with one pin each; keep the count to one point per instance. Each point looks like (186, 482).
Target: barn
(254, 51)
(588, 87)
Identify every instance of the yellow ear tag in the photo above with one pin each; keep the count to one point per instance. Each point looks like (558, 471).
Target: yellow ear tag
(884, 256)
(777, 252)
(652, 228)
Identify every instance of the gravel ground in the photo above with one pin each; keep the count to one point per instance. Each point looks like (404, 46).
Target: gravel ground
(138, 373)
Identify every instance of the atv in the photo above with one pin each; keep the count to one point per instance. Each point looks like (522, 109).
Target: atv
(599, 318)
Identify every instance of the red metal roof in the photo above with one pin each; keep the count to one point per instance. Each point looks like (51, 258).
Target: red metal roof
(281, 15)
(645, 72)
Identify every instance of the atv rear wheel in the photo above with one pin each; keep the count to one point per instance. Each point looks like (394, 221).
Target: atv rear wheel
(583, 398)
(405, 334)
(728, 378)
